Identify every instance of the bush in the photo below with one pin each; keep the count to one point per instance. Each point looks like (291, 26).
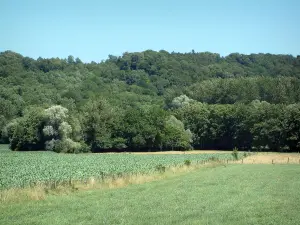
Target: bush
(213, 158)
(160, 168)
(246, 154)
(235, 153)
(187, 162)
(84, 148)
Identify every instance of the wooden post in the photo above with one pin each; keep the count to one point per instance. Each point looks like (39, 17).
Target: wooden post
(272, 161)
(288, 160)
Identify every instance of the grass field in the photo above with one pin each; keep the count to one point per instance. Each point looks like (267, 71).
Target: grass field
(235, 194)
(21, 169)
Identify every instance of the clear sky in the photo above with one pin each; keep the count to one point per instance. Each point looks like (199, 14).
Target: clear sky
(93, 29)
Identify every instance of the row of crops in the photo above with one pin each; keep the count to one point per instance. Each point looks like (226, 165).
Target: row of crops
(3, 148)
(20, 169)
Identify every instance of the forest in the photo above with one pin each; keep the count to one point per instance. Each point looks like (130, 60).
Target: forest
(151, 101)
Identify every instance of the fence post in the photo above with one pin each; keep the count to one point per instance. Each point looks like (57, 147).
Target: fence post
(272, 161)
(288, 160)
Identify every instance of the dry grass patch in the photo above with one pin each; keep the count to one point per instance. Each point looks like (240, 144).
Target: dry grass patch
(180, 152)
(24, 194)
(271, 158)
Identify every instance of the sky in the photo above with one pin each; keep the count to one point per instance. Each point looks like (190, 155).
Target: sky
(94, 29)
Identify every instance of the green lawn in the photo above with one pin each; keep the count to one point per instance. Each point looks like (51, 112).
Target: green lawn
(235, 194)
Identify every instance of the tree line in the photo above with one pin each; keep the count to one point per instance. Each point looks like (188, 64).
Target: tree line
(150, 101)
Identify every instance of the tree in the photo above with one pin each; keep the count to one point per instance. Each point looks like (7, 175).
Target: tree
(25, 133)
(195, 117)
(181, 101)
(175, 136)
(70, 59)
(100, 120)
(141, 91)
(57, 131)
(142, 127)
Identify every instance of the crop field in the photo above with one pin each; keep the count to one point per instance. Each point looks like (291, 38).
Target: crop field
(21, 169)
(3, 148)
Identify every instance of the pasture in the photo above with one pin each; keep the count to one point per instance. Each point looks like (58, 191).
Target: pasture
(231, 194)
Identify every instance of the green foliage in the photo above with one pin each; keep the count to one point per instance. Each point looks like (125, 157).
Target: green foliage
(259, 125)
(187, 162)
(127, 102)
(100, 124)
(235, 153)
(26, 132)
(42, 129)
(181, 101)
(143, 127)
(160, 168)
(175, 135)
(57, 131)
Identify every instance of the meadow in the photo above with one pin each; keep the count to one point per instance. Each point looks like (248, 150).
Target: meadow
(231, 194)
(23, 169)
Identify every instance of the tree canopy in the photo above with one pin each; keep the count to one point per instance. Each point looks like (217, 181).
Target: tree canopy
(150, 101)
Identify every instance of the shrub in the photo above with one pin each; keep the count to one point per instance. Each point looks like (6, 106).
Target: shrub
(83, 148)
(187, 162)
(160, 168)
(212, 158)
(246, 154)
(235, 153)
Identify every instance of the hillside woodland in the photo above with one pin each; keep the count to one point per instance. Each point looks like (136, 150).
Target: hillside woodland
(150, 101)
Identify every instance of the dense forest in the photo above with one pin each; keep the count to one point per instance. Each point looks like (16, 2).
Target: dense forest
(151, 101)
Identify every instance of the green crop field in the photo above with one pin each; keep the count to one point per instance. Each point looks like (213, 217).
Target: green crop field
(3, 148)
(20, 169)
(235, 194)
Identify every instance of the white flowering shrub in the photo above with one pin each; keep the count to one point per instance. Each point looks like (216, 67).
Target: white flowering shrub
(49, 131)
(181, 101)
(56, 114)
(58, 130)
(64, 129)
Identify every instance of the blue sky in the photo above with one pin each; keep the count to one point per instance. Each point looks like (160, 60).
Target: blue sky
(93, 29)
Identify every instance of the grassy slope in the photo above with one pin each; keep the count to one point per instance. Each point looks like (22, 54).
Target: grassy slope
(236, 194)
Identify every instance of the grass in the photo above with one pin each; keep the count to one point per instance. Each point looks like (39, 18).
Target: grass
(272, 158)
(235, 194)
